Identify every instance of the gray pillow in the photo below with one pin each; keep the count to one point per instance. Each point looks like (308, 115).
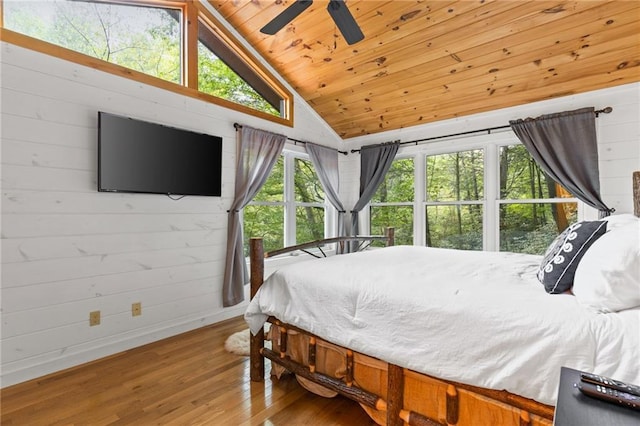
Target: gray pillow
(561, 259)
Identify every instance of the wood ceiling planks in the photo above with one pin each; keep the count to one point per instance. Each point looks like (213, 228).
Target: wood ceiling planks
(488, 56)
(423, 61)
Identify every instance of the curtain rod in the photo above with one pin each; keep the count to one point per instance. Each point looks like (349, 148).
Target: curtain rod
(606, 110)
(295, 141)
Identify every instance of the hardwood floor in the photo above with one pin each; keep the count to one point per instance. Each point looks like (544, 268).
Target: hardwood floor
(184, 380)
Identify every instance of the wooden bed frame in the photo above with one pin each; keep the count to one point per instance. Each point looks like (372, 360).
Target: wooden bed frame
(396, 396)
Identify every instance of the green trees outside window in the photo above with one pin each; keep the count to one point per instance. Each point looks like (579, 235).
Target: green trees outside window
(494, 198)
(455, 199)
(264, 216)
(218, 79)
(289, 208)
(392, 204)
(143, 37)
(309, 202)
(532, 212)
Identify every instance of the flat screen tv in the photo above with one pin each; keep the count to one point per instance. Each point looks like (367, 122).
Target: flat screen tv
(144, 157)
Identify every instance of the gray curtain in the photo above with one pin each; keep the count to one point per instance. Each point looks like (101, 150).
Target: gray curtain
(325, 161)
(374, 164)
(565, 146)
(257, 153)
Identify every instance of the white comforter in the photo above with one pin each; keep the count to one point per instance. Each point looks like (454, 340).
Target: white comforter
(480, 318)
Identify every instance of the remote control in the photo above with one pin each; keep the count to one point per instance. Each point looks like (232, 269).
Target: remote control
(610, 383)
(610, 395)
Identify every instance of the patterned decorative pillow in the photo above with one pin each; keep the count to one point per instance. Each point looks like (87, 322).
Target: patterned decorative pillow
(561, 259)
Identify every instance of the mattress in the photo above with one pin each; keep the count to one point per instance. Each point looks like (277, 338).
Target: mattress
(480, 318)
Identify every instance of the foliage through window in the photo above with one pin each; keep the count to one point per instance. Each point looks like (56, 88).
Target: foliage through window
(147, 37)
(455, 199)
(490, 195)
(289, 208)
(264, 216)
(309, 202)
(392, 204)
(532, 209)
(217, 78)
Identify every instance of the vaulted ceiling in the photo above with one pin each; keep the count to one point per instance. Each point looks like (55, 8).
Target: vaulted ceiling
(423, 61)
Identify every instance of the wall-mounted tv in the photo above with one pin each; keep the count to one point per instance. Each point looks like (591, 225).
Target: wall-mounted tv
(144, 157)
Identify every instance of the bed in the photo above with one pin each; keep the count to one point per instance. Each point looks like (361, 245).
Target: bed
(426, 336)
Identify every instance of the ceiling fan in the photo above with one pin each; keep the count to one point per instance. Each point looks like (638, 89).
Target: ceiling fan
(336, 8)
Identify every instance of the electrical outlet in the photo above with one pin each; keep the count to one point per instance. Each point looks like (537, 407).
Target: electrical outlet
(94, 318)
(136, 309)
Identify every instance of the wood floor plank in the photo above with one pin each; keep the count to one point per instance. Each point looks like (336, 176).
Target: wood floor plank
(184, 380)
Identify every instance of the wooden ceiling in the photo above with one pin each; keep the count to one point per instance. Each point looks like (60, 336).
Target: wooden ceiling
(423, 61)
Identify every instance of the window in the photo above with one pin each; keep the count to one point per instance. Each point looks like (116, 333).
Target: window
(153, 38)
(145, 39)
(455, 200)
(290, 207)
(309, 202)
(264, 216)
(489, 195)
(223, 74)
(534, 209)
(392, 204)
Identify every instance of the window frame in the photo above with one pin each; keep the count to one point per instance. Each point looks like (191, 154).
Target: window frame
(503, 201)
(192, 14)
(291, 208)
(490, 144)
(290, 204)
(482, 202)
(412, 204)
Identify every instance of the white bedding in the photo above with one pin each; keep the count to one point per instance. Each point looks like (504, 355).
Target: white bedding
(480, 318)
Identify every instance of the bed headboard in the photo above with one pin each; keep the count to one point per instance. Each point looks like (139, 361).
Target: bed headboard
(636, 193)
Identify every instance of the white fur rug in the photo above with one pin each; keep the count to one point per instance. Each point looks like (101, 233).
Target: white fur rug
(238, 343)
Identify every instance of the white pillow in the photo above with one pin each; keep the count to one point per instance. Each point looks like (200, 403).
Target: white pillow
(618, 220)
(608, 276)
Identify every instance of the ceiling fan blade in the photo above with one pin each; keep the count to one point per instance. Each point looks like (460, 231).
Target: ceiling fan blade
(286, 16)
(344, 21)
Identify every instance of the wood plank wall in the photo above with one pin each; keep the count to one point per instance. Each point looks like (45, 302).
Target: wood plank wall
(68, 250)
